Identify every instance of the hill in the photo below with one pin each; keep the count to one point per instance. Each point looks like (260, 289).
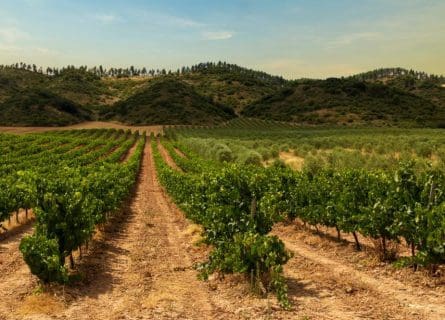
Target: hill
(37, 107)
(427, 86)
(230, 84)
(25, 100)
(168, 101)
(13, 80)
(216, 92)
(81, 86)
(345, 101)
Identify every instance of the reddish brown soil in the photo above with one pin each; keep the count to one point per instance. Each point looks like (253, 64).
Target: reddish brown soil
(13, 227)
(16, 282)
(167, 157)
(180, 153)
(130, 152)
(358, 280)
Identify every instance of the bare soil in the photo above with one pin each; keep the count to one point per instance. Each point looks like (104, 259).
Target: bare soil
(13, 227)
(378, 290)
(126, 156)
(167, 157)
(180, 153)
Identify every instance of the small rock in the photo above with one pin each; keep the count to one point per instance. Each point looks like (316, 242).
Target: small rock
(212, 277)
(179, 268)
(275, 307)
(349, 290)
(213, 286)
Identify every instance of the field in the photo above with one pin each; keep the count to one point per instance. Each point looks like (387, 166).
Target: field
(249, 220)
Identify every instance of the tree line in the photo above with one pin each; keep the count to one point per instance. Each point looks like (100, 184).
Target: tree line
(132, 71)
(382, 73)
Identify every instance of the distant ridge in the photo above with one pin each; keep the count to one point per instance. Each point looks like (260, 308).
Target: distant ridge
(215, 92)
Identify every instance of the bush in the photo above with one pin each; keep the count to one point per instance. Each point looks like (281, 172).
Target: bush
(313, 164)
(251, 157)
(266, 154)
(223, 153)
(42, 256)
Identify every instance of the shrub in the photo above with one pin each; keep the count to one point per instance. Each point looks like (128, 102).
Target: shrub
(42, 256)
(251, 157)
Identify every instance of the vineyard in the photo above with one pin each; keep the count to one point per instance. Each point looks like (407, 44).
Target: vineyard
(217, 216)
(400, 199)
(71, 181)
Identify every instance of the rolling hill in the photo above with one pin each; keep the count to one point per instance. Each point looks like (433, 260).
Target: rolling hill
(168, 101)
(211, 93)
(25, 100)
(37, 107)
(346, 101)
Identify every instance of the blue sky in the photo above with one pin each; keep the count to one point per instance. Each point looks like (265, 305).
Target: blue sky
(312, 38)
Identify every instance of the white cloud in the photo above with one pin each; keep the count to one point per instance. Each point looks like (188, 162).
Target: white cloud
(106, 18)
(8, 48)
(347, 39)
(12, 34)
(182, 22)
(163, 19)
(46, 51)
(217, 35)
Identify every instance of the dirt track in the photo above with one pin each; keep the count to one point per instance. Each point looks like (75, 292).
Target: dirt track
(364, 293)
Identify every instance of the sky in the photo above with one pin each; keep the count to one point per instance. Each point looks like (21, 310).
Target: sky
(292, 38)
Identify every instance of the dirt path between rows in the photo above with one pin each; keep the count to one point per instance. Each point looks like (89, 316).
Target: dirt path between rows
(373, 295)
(180, 153)
(167, 157)
(15, 279)
(127, 155)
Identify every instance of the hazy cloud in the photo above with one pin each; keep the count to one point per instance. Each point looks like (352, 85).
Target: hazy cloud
(217, 35)
(164, 19)
(182, 22)
(46, 51)
(12, 34)
(106, 18)
(8, 48)
(347, 39)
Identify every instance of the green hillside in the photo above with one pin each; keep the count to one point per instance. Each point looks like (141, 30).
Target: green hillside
(231, 85)
(427, 86)
(14, 80)
(212, 93)
(25, 100)
(345, 101)
(168, 101)
(81, 86)
(37, 107)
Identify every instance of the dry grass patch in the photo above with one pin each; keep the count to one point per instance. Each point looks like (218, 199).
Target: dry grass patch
(291, 160)
(42, 303)
(195, 231)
